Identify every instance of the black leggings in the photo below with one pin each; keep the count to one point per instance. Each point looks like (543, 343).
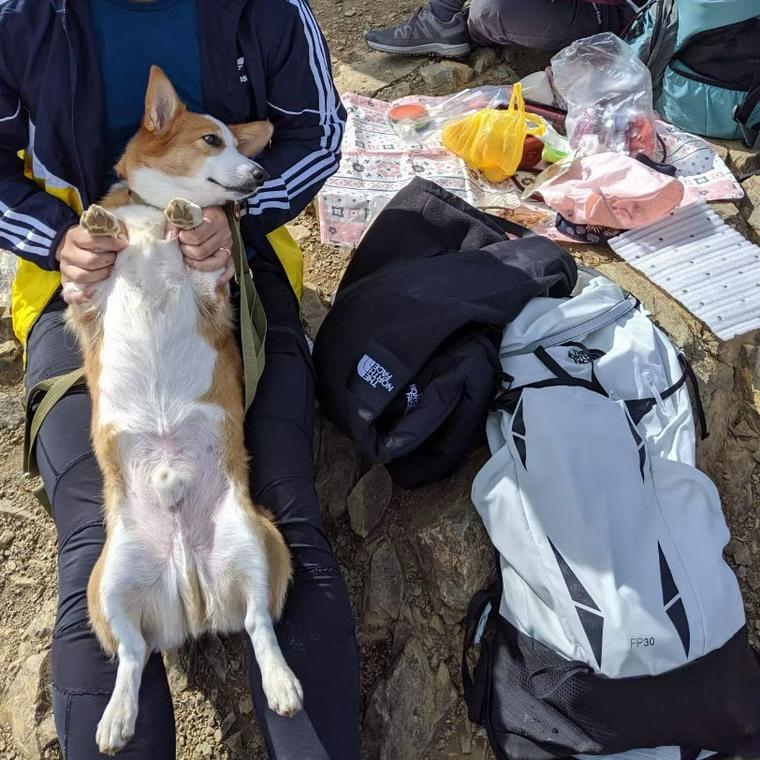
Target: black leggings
(316, 632)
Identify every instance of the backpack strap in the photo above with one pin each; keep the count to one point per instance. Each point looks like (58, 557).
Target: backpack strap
(638, 407)
(508, 399)
(49, 392)
(253, 330)
(741, 115)
(475, 689)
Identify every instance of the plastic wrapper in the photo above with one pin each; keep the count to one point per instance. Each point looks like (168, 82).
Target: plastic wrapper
(492, 140)
(556, 147)
(608, 92)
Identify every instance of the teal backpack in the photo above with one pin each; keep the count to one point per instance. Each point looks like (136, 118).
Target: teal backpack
(704, 57)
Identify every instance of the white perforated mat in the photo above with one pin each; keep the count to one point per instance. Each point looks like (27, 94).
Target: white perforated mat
(703, 263)
(655, 753)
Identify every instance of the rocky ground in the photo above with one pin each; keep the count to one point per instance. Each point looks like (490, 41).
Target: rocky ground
(412, 559)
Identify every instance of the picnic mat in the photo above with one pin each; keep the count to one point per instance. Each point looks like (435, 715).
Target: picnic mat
(377, 163)
(698, 259)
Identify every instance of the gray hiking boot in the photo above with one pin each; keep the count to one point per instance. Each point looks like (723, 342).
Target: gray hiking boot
(423, 33)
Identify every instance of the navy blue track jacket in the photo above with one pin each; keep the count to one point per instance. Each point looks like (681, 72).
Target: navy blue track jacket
(260, 59)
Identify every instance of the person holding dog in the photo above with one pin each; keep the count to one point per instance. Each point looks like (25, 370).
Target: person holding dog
(72, 78)
(448, 28)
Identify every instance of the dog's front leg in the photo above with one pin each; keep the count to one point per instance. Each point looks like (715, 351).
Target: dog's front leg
(117, 726)
(184, 214)
(281, 687)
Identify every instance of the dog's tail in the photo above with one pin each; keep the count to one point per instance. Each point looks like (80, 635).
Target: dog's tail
(169, 484)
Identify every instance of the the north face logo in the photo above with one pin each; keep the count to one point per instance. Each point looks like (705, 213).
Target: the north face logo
(584, 355)
(412, 397)
(241, 70)
(374, 374)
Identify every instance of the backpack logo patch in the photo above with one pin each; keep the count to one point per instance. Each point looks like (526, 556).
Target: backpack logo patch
(412, 397)
(584, 355)
(373, 373)
(241, 69)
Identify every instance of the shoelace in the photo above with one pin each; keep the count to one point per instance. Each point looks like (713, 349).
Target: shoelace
(409, 24)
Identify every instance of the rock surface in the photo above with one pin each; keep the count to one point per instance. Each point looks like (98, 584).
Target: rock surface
(751, 204)
(452, 547)
(405, 710)
(369, 500)
(445, 75)
(25, 706)
(412, 575)
(385, 587)
(11, 413)
(338, 468)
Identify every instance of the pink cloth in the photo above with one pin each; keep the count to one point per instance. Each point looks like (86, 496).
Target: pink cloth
(612, 190)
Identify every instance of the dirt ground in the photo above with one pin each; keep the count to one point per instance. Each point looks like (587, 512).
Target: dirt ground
(213, 711)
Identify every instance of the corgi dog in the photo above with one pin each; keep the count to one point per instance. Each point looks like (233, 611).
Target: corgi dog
(187, 552)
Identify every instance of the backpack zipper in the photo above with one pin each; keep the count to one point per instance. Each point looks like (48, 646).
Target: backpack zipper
(592, 324)
(688, 74)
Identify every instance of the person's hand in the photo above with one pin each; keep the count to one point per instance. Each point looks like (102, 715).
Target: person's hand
(86, 259)
(208, 247)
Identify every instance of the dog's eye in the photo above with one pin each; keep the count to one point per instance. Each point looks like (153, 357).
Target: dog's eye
(213, 140)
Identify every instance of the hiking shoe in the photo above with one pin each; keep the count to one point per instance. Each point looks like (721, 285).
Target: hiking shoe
(423, 33)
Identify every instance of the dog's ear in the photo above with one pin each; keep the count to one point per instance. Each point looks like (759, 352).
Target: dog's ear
(252, 137)
(161, 102)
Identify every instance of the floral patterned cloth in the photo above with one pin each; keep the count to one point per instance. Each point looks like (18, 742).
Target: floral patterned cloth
(377, 163)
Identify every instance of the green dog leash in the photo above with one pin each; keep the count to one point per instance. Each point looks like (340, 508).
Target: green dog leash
(47, 393)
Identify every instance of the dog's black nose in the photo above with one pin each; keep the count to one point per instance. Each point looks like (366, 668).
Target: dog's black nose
(259, 175)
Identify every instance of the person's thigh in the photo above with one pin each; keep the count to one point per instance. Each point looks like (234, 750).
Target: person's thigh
(316, 631)
(541, 24)
(83, 676)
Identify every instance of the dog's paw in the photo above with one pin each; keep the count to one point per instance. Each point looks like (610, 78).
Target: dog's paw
(283, 690)
(99, 221)
(183, 214)
(117, 726)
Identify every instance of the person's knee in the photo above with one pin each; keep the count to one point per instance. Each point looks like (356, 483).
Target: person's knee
(317, 609)
(504, 22)
(78, 554)
(488, 21)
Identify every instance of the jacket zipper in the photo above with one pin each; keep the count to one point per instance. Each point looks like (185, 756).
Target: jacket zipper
(73, 72)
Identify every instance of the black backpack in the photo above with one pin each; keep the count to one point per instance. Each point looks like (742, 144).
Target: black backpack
(704, 57)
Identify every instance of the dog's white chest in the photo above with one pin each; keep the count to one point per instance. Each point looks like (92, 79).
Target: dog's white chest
(155, 364)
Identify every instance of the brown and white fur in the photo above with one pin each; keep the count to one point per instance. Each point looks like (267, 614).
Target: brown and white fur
(187, 552)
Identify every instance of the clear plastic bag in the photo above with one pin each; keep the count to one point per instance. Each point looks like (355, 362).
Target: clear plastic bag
(492, 139)
(416, 121)
(608, 92)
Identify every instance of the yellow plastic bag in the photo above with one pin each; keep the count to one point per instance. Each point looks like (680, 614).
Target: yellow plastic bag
(492, 140)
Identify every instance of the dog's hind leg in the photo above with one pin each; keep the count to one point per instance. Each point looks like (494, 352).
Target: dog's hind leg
(117, 726)
(117, 600)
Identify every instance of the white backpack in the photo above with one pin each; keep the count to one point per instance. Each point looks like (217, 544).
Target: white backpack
(609, 539)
